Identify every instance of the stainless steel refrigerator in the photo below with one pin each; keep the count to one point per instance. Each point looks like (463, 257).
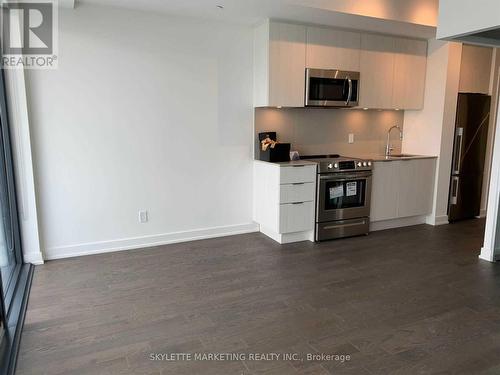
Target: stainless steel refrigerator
(469, 152)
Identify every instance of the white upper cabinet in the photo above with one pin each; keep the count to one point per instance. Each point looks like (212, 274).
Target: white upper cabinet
(392, 70)
(279, 65)
(333, 49)
(469, 21)
(377, 71)
(410, 63)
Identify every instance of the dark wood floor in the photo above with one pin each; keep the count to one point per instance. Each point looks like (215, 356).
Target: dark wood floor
(408, 301)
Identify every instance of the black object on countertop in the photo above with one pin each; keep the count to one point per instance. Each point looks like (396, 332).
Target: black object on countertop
(307, 157)
(280, 152)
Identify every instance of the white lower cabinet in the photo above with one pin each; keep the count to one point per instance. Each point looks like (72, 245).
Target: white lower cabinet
(297, 192)
(402, 189)
(297, 174)
(284, 200)
(296, 217)
(417, 187)
(385, 191)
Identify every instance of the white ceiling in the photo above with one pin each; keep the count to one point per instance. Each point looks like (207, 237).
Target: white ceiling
(415, 18)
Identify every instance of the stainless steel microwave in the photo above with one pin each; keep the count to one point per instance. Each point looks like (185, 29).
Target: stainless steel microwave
(331, 88)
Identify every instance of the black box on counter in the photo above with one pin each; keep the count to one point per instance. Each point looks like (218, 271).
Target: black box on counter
(279, 153)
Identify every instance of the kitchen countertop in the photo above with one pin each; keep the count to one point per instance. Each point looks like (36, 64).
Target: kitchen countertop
(383, 158)
(295, 163)
(374, 158)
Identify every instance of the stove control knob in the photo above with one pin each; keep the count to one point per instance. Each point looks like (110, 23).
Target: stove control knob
(369, 163)
(330, 166)
(359, 164)
(336, 165)
(365, 164)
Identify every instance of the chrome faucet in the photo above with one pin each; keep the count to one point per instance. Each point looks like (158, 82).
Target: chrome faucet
(388, 147)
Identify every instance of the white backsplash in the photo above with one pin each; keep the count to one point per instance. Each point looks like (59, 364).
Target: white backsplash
(322, 131)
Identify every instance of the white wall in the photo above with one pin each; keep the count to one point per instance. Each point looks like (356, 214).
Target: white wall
(145, 112)
(430, 131)
(456, 18)
(497, 237)
(475, 69)
(423, 12)
(491, 246)
(494, 92)
(423, 128)
(459, 17)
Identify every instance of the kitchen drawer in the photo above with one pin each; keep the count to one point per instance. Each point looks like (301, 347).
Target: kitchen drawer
(296, 217)
(299, 192)
(297, 174)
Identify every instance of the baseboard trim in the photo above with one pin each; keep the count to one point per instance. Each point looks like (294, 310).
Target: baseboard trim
(397, 223)
(288, 237)
(489, 256)
(482, 214)
(33, 258)
(437, 220)
(101, 247)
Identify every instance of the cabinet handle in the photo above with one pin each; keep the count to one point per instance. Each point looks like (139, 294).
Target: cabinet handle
(298, 203)
(298, 166)
(298, 183)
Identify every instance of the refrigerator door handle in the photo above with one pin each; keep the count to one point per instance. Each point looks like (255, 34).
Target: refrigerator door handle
(454, 190)
(459, 138)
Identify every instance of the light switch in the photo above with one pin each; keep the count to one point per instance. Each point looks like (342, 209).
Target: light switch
(351, 138)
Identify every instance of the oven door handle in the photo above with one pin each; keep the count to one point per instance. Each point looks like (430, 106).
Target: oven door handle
(338, 226)
(346, 178)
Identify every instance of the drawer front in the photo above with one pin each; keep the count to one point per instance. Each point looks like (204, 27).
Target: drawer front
(296, 217)
(297, 174)
(342, 228)
(300, 192)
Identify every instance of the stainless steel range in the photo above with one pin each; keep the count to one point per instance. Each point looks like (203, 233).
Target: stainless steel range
(343, 196)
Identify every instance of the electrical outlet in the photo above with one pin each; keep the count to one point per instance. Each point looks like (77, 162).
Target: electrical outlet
(351, 138)
(143, 217)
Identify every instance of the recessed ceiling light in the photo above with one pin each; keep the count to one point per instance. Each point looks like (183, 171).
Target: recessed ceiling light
(365, 109)
(220, 6)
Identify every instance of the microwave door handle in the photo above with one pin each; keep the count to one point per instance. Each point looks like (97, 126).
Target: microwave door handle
(349, 95)
(308, 82)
